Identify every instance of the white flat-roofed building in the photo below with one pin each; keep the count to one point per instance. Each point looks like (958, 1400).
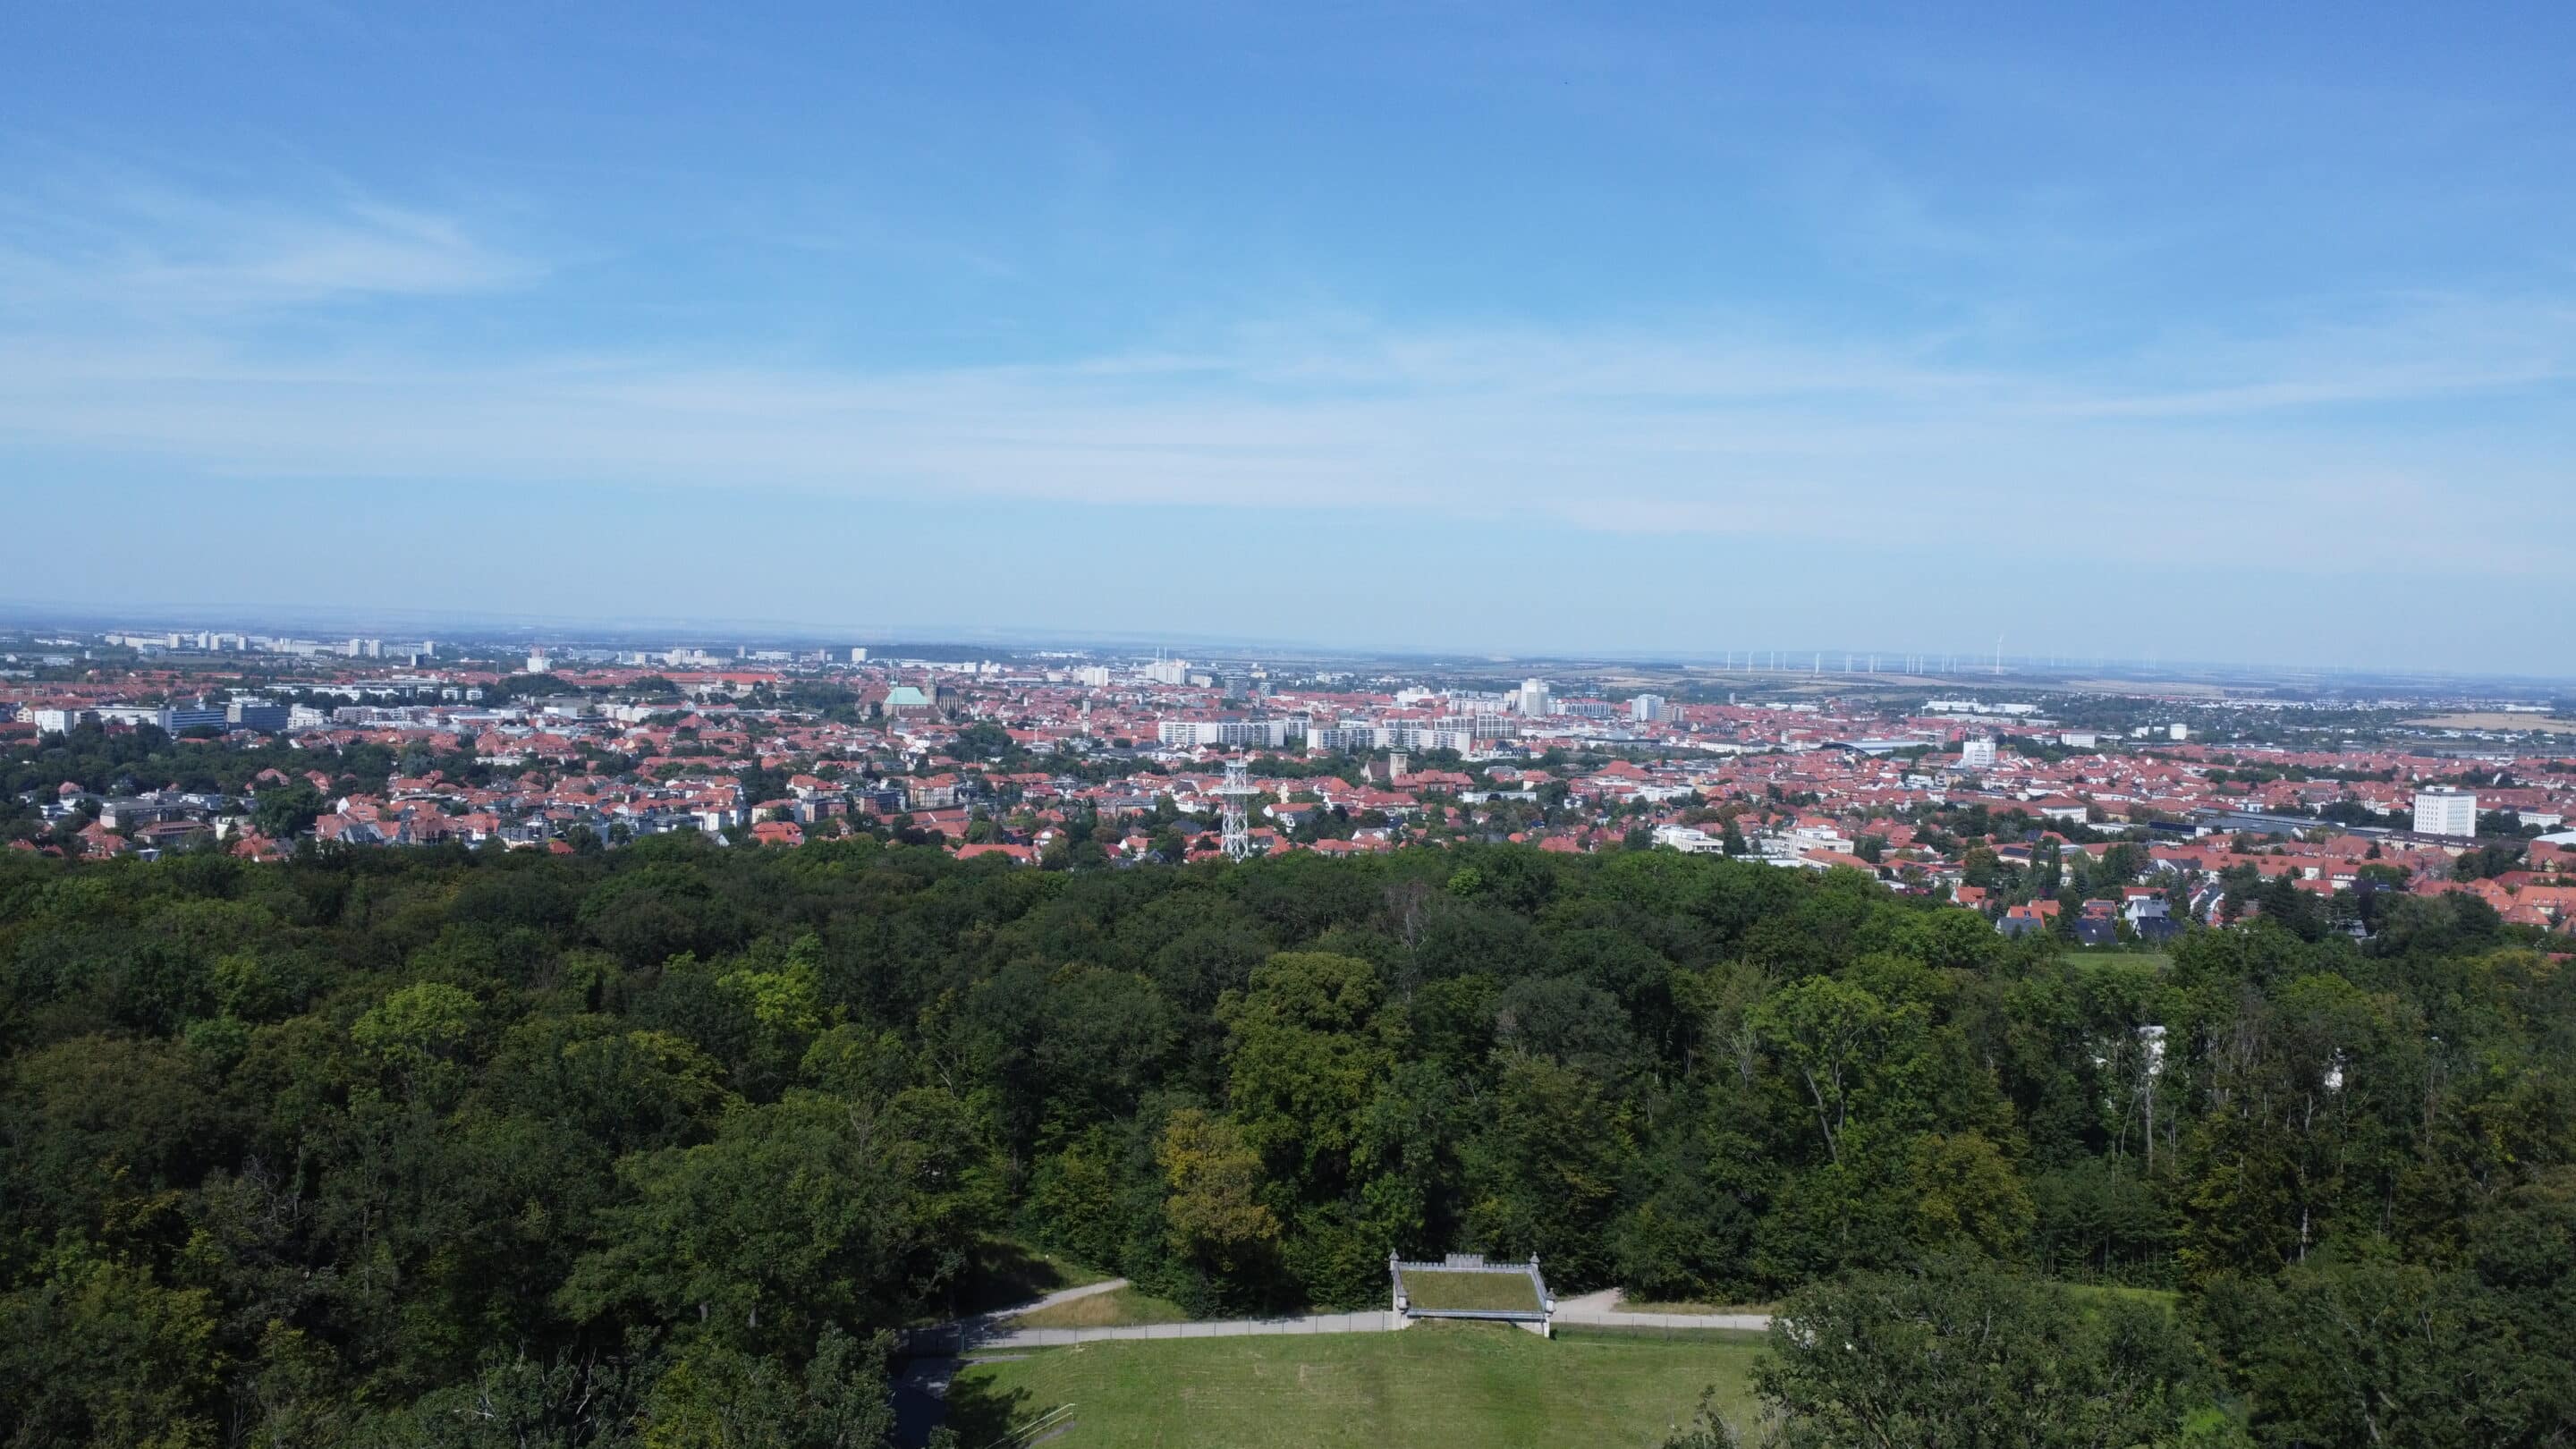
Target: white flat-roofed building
(2445, 810)
(1689, 840)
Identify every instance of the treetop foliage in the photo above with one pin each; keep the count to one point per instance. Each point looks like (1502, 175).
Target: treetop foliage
(630, 1146)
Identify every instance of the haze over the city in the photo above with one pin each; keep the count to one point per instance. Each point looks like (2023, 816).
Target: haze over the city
(2232, 335)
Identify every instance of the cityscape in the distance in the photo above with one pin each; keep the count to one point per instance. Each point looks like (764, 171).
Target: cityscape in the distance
(2044, 794)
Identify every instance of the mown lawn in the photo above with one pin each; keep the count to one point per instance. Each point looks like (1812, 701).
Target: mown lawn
(1117, 1308)
(1436, 1384)
(1492, 1292)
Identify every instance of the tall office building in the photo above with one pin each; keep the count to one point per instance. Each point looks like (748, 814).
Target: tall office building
(1646, 708)
(1535, 700)
(1977, 754)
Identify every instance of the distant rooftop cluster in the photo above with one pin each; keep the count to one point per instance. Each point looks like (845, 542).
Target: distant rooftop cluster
(2107, 819)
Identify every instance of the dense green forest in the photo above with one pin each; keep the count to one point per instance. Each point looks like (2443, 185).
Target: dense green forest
(439, 1147)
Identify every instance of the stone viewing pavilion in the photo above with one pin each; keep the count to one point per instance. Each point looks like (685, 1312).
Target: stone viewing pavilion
(1464, 1285)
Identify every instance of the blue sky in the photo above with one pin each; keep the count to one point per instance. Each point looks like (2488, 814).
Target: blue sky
(2195, 333)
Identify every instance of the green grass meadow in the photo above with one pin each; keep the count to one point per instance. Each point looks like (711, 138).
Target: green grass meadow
(1436, 1384)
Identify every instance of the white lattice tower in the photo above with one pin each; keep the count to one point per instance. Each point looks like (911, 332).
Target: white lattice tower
(1231, 798)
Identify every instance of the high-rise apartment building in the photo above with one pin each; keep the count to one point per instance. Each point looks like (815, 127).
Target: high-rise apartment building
(2445, 810)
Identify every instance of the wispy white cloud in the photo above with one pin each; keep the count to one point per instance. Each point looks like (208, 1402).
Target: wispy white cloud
(138, 247)
(2415, 348)
(1625, 434)
(2227, 448)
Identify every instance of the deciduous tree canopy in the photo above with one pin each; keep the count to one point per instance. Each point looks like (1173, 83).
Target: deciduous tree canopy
(653, 1144)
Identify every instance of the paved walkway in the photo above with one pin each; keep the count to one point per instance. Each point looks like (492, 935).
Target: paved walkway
(1601, 1310)
(1066, 1295)
(995, 1330)
(983, 1328)
(987, 1331)
(1005, 1337)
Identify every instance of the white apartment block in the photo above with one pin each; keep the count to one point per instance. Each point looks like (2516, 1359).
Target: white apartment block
(2446, 810)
